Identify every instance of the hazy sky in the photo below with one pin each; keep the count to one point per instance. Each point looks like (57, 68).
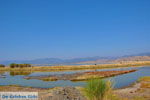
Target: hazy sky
(31, 29)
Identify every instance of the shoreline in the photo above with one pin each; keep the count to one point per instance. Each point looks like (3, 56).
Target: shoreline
(138, 90)
(82, 76)
(70, 80)
(84, 80)
(81, 67)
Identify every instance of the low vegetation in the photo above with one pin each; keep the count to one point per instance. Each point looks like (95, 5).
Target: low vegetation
(97, 89)
(145, 82)
(14, 73)
(43, 78)
(49, 79)
(82, 76)
(85, 77)
(1, 65)
(27, 67)
(145, 78)
(13, 65)
(100, 74)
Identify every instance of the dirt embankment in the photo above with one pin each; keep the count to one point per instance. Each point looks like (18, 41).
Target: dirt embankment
(81, 76)
(139, 90)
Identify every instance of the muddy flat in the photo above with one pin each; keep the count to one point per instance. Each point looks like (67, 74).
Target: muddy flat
(81, 76)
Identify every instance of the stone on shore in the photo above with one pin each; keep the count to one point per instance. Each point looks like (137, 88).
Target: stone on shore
(65, 93)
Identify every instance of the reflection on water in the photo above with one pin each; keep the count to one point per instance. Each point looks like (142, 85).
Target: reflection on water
(2, 72)
(17, 78)
(14, 73)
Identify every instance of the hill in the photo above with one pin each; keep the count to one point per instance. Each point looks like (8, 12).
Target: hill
(86, 60)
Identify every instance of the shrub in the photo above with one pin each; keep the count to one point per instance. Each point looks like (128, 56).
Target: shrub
(13, 65)
(27, 65)
(98, 89)
(95, 89)
(13, 73)
(1, 65)
(109, 95)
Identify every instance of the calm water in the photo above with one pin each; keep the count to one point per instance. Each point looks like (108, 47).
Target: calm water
(120, 81)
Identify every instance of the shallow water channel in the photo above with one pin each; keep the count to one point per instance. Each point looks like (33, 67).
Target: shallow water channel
(12, 78)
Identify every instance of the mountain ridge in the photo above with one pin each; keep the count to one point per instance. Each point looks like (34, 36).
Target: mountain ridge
(85, 60)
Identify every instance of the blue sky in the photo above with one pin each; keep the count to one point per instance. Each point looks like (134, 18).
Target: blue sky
(31, 29)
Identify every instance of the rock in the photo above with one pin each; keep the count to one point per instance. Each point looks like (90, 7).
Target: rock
(67, 93)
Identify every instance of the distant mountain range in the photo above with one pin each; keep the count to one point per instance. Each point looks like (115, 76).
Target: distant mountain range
(118, 60)
(54, 60)
(86, 60)
(140, 54)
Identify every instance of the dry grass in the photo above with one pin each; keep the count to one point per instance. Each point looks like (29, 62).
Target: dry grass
(145, 82)
(146, 79)
(49, 79)
(99, 74)
(135, 98)
(145, 85)
(99, 90)
(81, 67)
(86, 77)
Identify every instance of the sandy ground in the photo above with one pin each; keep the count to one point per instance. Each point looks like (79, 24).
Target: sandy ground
(139, 89)
(135, 90)
(57, 93)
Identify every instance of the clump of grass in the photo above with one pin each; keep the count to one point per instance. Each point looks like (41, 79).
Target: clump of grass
(95, 89)
(109, 92)
(98, 89)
